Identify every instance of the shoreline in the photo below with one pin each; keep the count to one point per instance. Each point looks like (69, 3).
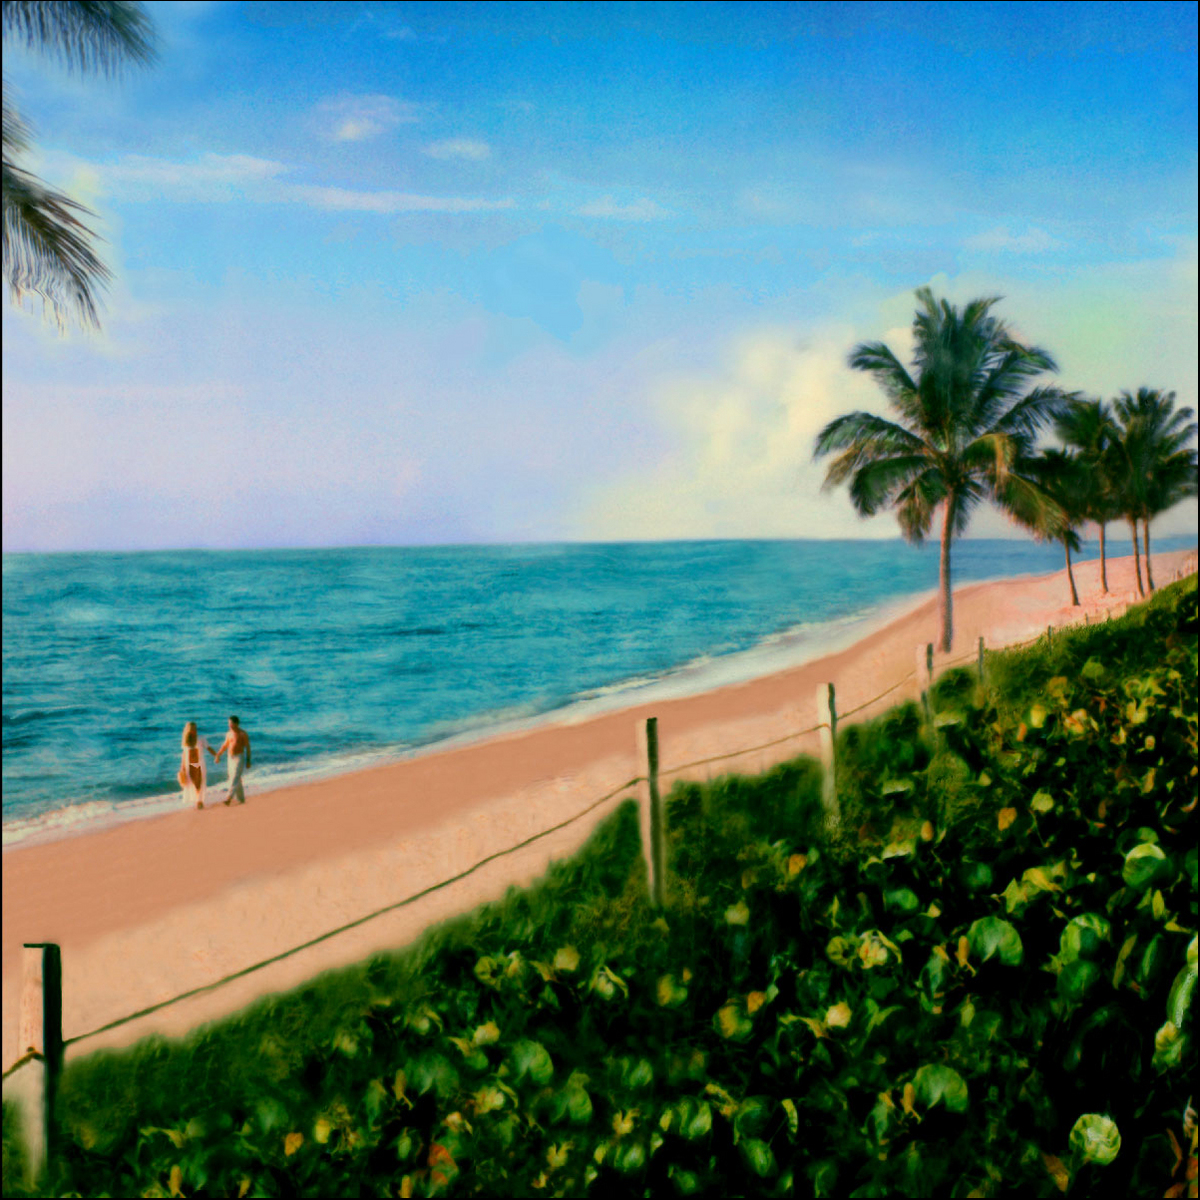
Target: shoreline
(188, 898)
(781, 651)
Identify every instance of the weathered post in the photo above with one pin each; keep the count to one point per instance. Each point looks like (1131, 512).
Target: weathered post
(925, 674)
(40, 1031)
(1049, 634)
(827, 718)
(653, 819)
(980, 666)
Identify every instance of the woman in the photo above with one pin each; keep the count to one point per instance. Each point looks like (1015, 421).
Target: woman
(193, 772)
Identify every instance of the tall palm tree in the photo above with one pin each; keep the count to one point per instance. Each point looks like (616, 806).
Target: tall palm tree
(1064, 477)
(1087, 427)
(964, 430)
(1158, 467)
(47, 247)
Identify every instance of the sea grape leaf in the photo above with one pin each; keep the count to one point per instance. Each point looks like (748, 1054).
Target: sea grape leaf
(1145, 865)
(992, 936)
(758, 1157)
(1096, 1139)
(937, 1082)
(532, 1059)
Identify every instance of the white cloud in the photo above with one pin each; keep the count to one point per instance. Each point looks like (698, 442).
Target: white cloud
(209, 177)
(1000, 241)
(349, 200)
(358, 118)
(742, 464)
(465, 148)
(218, 177)
(637, 210)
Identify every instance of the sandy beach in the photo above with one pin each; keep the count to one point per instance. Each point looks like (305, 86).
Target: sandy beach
(150, 909)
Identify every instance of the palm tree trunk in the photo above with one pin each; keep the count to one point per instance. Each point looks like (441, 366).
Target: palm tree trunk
(1137, 558)
(1146, 547)
(1103, 564)
(1071, 576)
(945, 598)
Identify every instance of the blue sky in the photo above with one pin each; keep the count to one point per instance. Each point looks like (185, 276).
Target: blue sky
(392, 273)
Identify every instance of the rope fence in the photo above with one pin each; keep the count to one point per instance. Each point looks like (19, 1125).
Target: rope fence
(33, 1055)
(829, 726)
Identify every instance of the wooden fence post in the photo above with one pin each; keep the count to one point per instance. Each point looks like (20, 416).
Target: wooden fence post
(1049, 634)
(653, 818)
(40, 1030)
(827, 716)
(980, 658)
(925, 674)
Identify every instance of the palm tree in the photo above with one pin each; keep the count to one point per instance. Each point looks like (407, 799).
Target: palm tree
(1087, 427)
(964, 431)
(1064, 477)
(47, 247)
(1158, 467)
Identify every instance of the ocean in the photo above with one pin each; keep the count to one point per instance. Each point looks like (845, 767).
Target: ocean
(337, 659)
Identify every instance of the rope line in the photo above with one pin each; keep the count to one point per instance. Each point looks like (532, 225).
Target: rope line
(699, 762)
(867, 703)
(28, 1056)
(208, 987)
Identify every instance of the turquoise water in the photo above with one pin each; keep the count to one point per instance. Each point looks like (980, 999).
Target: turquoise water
(340, 658)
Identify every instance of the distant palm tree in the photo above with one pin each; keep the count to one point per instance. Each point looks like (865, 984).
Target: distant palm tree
(47, 247)
(1158, 468)
(1087, 427)
(964, 432)
(1064, 477)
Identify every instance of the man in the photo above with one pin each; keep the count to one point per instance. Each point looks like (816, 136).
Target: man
(237, 742)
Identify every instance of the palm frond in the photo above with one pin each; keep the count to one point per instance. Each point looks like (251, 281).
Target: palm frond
(875, 485)
(870, 435)
(1028, 503)
(878, 361)
(85, 35)
(1034, 410)
(47, 248)
(915, 505)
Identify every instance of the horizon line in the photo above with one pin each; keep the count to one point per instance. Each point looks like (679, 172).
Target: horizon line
(927, 542)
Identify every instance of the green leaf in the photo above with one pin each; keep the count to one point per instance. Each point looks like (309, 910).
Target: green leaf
(376, 1100)
(1084, 937)
(992, 936)
(977, 876)
(630, 1157)
(579, 1105)
(936, 1082)
(903, 900)
(1076, 979)
(532, 1059)
(758, 1157)
(1145, 865)
(638, 1075)
(752, 1115)
(1042, 802)
(695, 1118)
(1096, 1139)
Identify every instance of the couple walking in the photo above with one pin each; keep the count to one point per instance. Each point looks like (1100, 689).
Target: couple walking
(193, 771)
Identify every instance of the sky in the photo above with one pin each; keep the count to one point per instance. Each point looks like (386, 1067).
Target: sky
(423, 273)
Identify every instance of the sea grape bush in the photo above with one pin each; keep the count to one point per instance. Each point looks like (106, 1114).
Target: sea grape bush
(983, 985)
